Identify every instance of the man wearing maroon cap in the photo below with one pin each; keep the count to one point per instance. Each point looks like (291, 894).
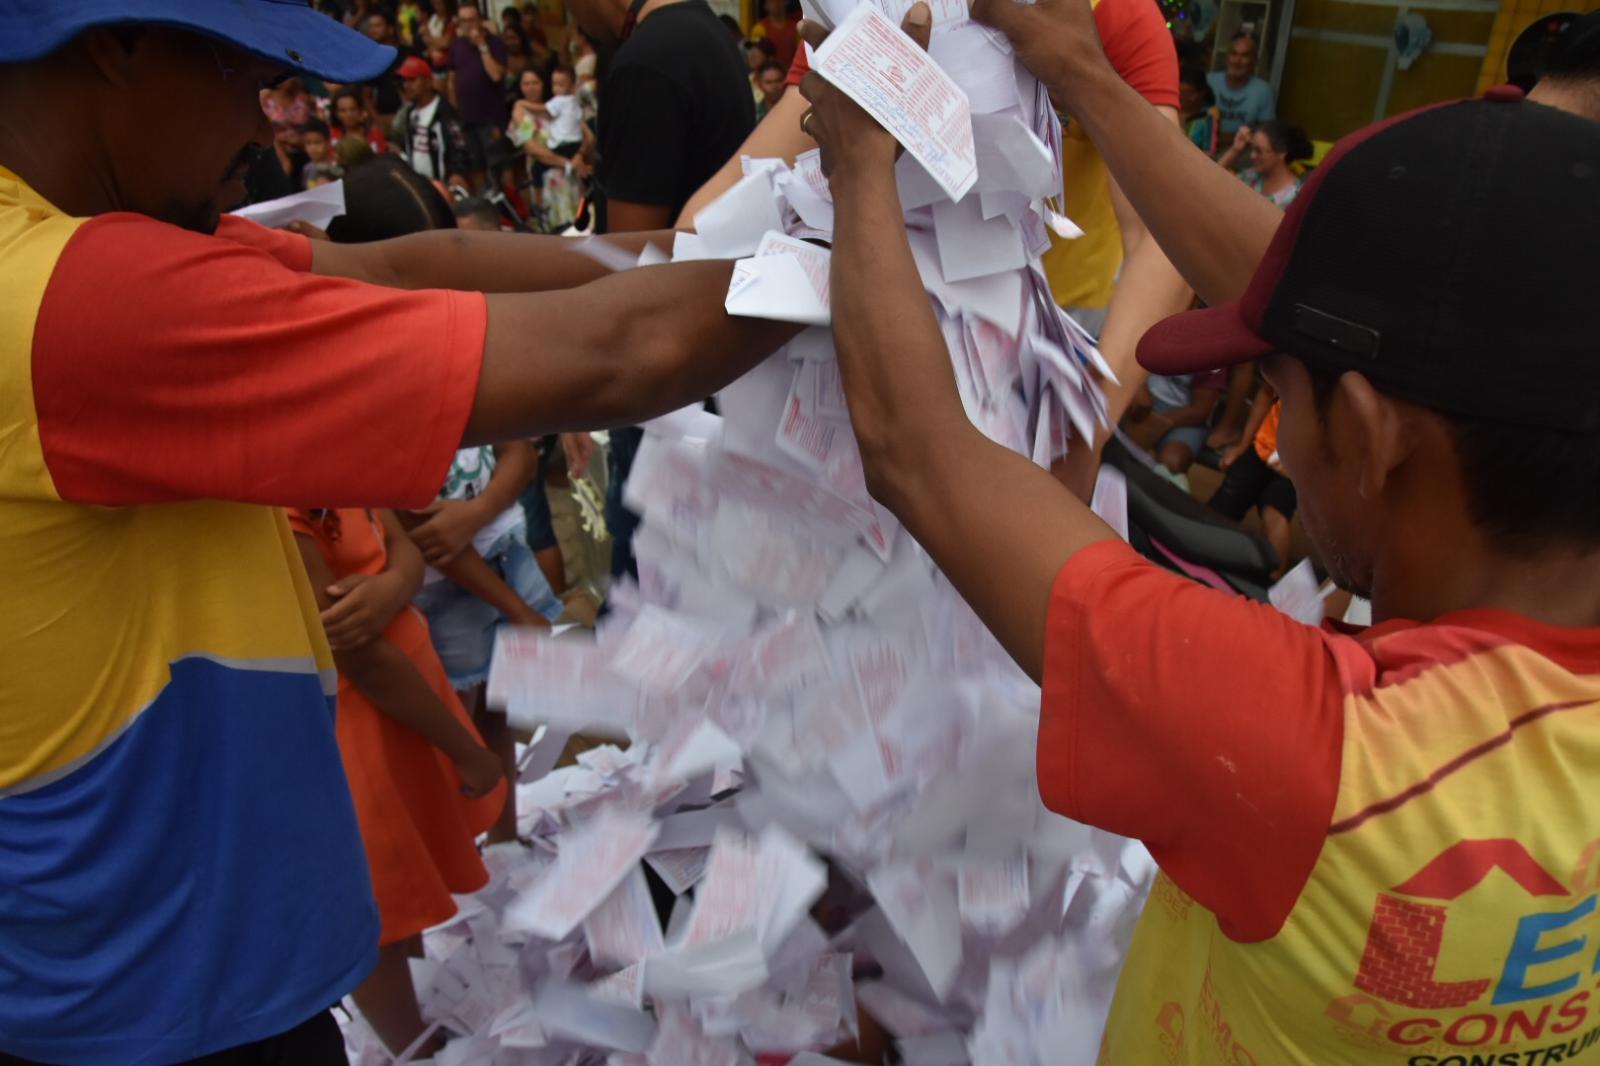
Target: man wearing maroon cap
(1379, 845)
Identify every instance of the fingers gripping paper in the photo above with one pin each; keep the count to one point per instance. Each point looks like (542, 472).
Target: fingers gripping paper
(872, 61)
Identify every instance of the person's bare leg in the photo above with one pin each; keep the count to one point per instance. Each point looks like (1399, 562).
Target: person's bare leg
(1279, 535)
(498, 738)
(388, 1001)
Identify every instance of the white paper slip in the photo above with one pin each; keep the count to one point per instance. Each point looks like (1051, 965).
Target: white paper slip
(1059, 224)
(1296, 594)
(572, 1012)
(814, 259)
(874, 63)
(317, 207)
(732, 224)
(1011, 157)
(776, 287)
(594, 859)
(972, 247)
(624, 929)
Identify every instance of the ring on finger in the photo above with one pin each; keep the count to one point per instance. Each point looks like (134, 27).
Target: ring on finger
(805, 122)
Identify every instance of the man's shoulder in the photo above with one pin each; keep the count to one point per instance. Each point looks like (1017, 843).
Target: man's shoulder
(676, 37)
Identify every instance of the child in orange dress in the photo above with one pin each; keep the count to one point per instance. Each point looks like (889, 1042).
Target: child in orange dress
(423, 783)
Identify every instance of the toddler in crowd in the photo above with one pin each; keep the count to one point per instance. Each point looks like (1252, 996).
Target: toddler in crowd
(321, 167)
(568, 134)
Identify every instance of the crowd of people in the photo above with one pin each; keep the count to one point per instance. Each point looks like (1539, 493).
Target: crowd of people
(500, 106)
(289, 466)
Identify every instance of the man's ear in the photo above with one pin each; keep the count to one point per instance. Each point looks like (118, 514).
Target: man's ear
(1376, 433)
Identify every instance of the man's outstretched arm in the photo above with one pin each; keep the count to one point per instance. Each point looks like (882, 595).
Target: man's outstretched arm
(914, 435)
(1160, 171)
(613, 352)
(474, 261)
(571, 345)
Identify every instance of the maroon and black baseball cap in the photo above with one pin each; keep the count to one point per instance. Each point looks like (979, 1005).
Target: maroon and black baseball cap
(1450, 255)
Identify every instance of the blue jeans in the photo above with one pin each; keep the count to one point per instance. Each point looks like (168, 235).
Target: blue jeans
(463, 626)
(621, 521)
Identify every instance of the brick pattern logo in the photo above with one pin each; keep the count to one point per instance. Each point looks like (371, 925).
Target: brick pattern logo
(1402, 952)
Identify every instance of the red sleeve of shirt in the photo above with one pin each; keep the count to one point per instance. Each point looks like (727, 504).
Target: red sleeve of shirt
(1206, 725)
(1140, 48)
(170, 365)
(799, 68)
(290, 249)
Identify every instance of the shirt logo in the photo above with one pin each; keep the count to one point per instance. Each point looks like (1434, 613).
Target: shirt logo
(1537, 969)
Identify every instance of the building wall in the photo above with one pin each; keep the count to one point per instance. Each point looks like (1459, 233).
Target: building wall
(1341, 71)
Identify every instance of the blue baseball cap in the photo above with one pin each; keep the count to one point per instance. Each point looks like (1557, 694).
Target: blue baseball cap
(284, 31)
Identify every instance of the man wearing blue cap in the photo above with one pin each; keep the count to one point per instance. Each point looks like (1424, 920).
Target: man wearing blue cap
(181, 873)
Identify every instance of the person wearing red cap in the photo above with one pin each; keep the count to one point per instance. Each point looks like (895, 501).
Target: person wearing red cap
(1376, 845)
(181, 871)
(428, 131)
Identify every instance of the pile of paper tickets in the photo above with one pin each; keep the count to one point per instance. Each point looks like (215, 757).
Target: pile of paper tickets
(793, 680)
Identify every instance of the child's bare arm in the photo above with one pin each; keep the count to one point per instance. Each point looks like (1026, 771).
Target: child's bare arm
(392, 682)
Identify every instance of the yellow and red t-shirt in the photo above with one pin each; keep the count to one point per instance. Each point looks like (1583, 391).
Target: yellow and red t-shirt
(180, 869)
(1083, 272)
(1376, 847)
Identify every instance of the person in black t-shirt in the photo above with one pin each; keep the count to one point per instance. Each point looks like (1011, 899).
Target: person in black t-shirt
(674, 104)
(386, 96)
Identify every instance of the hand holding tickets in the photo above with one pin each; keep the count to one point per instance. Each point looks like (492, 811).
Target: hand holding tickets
(792, 676)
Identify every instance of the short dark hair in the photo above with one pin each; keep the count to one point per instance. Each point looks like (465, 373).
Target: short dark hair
(315, 125)
(771, 64)
(476, 207)
(1529, 489)
(1574, 61)
(346, 92)
(1287, 138)
(385, 198)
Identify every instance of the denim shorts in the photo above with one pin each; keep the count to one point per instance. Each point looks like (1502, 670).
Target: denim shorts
(463, 626)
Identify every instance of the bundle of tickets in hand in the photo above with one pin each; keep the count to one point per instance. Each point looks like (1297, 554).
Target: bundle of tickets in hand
(820, 752)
